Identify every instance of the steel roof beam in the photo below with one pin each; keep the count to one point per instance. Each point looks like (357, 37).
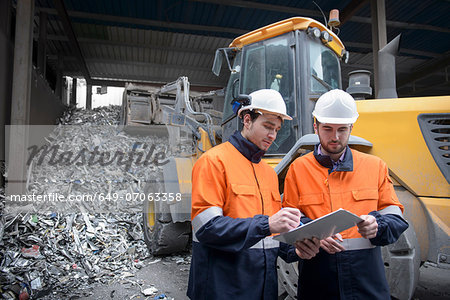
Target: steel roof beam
(136, 63)
(148, 64)
(264, 6)
(403, 25)
(67, 25)
(426, 70)
(307, 12)
(136, 45)
(114, 80)
(62, 38)
(147, 22)
(412, 91)
(402, 50)
(237, 31)
(353, 7)
(121, 83)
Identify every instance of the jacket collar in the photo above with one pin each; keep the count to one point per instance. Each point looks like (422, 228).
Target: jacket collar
(246, 148)
(346, 165)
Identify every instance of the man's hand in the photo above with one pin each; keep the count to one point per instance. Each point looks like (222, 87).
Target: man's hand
(307, 249)
(330, 245)
(369, 227)
(284, 220)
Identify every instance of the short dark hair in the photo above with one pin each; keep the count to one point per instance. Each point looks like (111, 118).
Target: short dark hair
(253, 114)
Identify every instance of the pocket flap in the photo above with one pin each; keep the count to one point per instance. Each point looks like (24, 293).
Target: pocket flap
(311, 199)
(276, 196)
(365, 195)
(240, 189)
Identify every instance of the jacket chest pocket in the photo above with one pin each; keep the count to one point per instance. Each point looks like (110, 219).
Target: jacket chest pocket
(272, 202)
(243, 202)
(243, 190)
(313, 205)
(364, 201)
(362, 195)
(311, 199)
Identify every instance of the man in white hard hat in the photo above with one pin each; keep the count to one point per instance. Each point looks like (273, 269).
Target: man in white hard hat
(236, 207)
(349, 265)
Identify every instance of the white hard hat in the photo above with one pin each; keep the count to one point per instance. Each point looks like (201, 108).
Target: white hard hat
(336, 107)
(269, 101)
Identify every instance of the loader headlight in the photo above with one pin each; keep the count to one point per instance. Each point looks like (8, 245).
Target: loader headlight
(314, 31)
(325, 37)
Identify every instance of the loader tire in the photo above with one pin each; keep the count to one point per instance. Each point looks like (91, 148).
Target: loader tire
(287, 280)
(161, 234)
(401, 264)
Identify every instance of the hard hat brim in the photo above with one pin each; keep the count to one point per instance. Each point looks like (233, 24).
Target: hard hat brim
(251, 107)
(283, 116)
(324, 120)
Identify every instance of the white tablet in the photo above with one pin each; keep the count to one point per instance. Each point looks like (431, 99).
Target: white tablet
(322, 227)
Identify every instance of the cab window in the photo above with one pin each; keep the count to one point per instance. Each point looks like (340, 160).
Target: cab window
(324, 67)
(269, 65)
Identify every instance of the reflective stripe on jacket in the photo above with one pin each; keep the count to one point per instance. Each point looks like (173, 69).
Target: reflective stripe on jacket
(233, 255)
(360, 184)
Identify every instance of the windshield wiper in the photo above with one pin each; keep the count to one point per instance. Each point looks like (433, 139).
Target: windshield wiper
(326, 85)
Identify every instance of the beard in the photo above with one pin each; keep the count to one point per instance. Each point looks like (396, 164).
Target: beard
(336, 150)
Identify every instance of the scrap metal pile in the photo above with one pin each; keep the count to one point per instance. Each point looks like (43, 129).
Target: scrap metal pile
(66, 247)
(105, 168)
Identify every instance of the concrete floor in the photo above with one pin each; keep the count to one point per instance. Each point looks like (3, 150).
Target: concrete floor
(434, 284)
(170, 278)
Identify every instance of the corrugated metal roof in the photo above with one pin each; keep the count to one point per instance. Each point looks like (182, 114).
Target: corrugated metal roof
(161, 40)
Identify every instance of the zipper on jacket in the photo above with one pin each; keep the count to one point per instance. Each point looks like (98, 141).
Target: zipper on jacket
(327, 184)
(259, 188)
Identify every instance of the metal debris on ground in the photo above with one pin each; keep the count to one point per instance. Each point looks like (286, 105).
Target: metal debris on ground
(57, 253)
(161, 297)
(151, 291)
(181, 259)
(59, 256)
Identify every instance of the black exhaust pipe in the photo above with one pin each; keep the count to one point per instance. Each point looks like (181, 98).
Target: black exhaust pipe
(387, 87)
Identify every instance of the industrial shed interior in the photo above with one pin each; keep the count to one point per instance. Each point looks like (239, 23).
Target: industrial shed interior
(50, 50)
(108, 43)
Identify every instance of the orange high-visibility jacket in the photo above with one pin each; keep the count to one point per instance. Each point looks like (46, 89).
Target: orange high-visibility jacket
(360, 184)
(314, 191)
(233, 254)
(224, 178)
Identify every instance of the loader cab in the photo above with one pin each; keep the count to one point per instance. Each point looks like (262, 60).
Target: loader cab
(265, 64)
(296, 62)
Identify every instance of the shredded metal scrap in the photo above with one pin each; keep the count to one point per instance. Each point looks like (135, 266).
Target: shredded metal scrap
(50, 253)
(58, 254)
(105, 115)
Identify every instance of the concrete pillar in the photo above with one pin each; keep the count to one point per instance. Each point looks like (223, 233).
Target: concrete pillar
(59, 78)
(20, 106)
(379, 37)
(88, 96)
(42, 43)
(5, 17)
(6, 57)
(73, 97)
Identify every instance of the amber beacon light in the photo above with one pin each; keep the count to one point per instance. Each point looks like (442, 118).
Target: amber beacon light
(334, 18)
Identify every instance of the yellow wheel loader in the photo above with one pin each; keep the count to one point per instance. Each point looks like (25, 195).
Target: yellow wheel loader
(182, 117)
(300, 58)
